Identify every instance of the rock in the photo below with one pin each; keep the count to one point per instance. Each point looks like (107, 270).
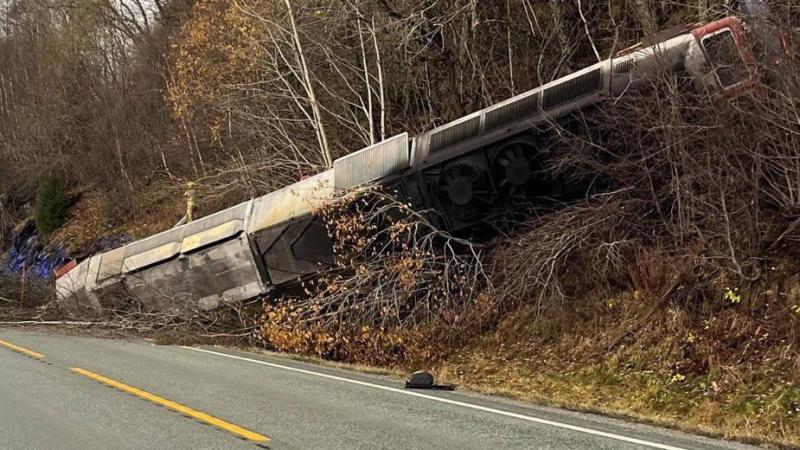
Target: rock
(209, 303)
(420, 380)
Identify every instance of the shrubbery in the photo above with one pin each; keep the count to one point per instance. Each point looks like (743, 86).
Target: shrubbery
(51, 204)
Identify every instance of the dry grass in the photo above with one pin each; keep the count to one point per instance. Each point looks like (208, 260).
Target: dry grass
(711, 365)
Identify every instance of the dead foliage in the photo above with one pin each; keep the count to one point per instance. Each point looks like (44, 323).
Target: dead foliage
(668, 293)
(393, 272)
(674, 297)
(25, 299)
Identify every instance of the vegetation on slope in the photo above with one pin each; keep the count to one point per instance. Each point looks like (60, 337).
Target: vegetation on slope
(51, 204)
(671, 296)
(674, 298)
(240, 99)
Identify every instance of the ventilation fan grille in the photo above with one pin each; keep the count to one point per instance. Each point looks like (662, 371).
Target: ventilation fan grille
(453, 134)
(572, 89)
(623, 66)
(371, 163)
(463, 212)
(511, 112)
(480, 192)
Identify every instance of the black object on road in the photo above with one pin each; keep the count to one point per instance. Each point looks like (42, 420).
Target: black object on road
(422, 379)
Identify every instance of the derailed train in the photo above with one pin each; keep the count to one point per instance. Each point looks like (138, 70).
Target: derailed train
(470, 171)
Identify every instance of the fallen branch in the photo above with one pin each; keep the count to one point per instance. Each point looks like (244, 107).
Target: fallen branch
(218, 335)
(788, 231)
(52, 322)
(676, 282)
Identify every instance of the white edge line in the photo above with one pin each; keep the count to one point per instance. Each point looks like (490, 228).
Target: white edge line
(448, 401)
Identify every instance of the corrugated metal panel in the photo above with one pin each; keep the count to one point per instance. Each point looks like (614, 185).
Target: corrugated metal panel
(572, 89)
(150, 257)
(264, 213)
(111, 264)
(209, 236)
(143, 245)
(313, 192)
(214, 228)
(93, 271)
(512, 111)
(83, 271)
(152, 250)
(291, 201)
(63, 287)
(371, 163)
(450, 134)
(206, 223)
(73, 282)
(624, 65)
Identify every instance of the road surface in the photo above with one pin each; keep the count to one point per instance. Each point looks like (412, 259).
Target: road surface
(68, 392)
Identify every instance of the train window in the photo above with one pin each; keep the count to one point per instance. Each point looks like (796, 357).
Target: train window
(723, 55)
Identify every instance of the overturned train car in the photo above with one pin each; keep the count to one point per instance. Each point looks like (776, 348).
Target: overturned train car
(469, 171)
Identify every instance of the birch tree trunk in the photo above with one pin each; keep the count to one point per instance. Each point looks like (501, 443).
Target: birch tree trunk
(308, 85)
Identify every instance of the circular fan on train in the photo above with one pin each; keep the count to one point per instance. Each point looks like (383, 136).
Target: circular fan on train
(464, 191)
(519, 172)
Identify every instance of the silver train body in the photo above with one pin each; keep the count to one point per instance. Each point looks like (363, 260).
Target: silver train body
(274, 240)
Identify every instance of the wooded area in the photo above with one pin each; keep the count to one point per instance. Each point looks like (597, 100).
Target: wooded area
(132, 99)
(671, 295)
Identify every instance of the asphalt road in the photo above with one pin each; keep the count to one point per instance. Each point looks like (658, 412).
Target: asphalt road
(67, 392)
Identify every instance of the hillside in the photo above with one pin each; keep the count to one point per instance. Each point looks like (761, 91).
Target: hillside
(669, 291)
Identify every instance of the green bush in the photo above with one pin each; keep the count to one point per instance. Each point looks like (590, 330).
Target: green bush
(51, 204)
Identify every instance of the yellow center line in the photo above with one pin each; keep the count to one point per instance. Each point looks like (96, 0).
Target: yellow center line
(201, 416)
(22, 350)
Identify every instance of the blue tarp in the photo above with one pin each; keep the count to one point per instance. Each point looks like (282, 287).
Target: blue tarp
(40, 260)
(28, 251)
